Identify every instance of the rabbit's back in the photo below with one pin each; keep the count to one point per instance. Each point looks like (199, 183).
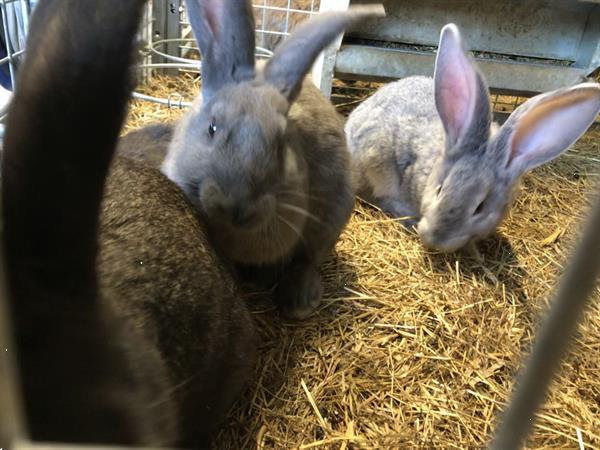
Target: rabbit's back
(318, 130)
(148, 144)
(395, 137)
(171, 286)
(408, 97)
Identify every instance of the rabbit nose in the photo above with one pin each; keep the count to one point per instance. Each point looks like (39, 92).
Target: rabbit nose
(430, 236)
(426, 233)
(434, 238)
(242, 215)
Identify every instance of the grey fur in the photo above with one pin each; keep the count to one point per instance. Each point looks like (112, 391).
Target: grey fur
(402, 151)
(224, 31)
(272, 182)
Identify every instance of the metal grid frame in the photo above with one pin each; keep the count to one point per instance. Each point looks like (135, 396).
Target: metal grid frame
(15, 21)
(172, 50)
(167, 42)
(14, 24)
(292, 11)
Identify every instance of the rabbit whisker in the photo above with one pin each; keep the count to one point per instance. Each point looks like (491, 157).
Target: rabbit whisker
(280, 264)
(165, 396)
(303, 195)
(292, 227)
(301, 211)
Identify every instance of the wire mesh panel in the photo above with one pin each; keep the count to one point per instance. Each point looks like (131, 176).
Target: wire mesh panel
(174, 51)
(275, 19)
(14, 24)
(173, 40)
(15, 21)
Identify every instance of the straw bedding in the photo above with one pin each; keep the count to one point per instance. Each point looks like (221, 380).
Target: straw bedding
(418, 349)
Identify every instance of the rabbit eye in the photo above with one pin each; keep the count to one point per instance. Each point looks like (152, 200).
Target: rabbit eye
(212, 128)
(479, 208)
(438, 189)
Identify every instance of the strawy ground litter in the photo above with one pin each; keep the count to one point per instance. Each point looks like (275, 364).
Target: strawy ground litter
(412, 348)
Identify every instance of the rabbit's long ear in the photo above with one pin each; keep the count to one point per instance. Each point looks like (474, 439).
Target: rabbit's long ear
(224, 30)
(546, 125)
(461, 94)
(71, 98)
(62, 129)
(292, 59)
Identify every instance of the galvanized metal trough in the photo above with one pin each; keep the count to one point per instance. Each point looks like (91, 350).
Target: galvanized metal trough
(522, 47)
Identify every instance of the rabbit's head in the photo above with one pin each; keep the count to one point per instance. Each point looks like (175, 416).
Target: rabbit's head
(233, 159)
(472, 184)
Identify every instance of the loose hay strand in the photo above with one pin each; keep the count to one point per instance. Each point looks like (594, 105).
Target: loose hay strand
(312, 402)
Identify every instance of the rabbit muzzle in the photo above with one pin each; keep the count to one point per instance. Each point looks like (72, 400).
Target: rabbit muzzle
(235, 210)
(434, 238)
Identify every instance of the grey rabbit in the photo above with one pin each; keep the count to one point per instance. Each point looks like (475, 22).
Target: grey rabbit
(427, 148)
(149, 144)
(263, 155)
(128, 328)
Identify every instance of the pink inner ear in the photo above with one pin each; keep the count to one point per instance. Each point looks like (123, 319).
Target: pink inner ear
(550, 127)
(213, 10)
(455, 86)
(458, 93)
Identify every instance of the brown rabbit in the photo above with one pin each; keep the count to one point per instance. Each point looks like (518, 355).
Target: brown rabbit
(148, 144)
(147, 341)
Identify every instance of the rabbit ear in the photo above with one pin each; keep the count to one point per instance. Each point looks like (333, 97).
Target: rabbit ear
(78, 60)
(461, 95)
(546, 125)
(224, 30)
(292, 59)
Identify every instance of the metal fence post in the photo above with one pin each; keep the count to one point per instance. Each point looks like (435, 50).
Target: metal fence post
(166, 26)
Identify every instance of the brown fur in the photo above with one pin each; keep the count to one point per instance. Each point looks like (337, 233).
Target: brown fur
(148, 144)
(128, 330)
(171, 287)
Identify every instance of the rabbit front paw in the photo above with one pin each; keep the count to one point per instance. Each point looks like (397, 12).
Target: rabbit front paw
(299, 292)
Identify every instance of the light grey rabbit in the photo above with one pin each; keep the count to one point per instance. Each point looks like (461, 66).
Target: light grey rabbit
(128, 328)
(262, 155)
(427, 148)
